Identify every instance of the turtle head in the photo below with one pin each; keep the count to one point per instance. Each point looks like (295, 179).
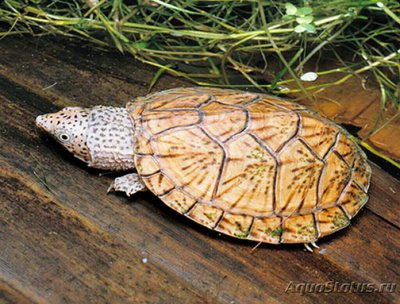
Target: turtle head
(100, 136)
(69, 127)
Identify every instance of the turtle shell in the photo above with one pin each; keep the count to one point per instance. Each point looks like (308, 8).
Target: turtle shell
(249, 165)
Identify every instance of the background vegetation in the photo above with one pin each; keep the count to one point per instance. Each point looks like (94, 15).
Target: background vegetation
(228, 43)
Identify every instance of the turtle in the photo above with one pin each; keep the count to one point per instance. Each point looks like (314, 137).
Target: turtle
(249, 165)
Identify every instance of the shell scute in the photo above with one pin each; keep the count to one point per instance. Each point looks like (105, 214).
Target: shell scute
(177, 99)
(354, 199)
(159, 121)
(334, 179)
(205, 214)
(142, 144)
(319, 134)
(331, 220)
(192, 160)
(248, 176)
(299, 229)
(272, 125)
(178, 201)
(284, 104)
(135, 109)
(223, 121)
(146, 165)
(268, 229)
(231, 96)
(297, 179)
(362, 171)
(158, 183)
(346, 148)
(234, 224)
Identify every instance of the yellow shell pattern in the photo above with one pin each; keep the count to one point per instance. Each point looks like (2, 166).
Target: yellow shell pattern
(249, 165)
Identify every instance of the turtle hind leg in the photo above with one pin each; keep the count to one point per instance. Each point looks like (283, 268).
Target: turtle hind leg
(130, 184)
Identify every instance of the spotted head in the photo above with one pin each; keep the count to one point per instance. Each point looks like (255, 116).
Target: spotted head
(100, 136)
(69, 127)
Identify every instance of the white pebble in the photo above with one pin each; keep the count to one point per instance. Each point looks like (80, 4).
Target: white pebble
(144, 260)
(283, 88)
(310, 76)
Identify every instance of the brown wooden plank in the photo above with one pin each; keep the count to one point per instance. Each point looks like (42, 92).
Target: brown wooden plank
(54, 247)
(384, 195)
(67, 239)
(67, 74)
(11, 295)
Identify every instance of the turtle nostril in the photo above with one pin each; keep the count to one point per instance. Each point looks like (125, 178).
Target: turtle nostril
(39, 121)
(42, 123)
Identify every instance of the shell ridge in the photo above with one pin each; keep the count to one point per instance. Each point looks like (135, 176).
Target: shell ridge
(245, 128)
(172, 129)
(277, 165)
(272, 103)
(255, 99)
(316, 226)
(209, 100)
(343, 193)
(223, 163)
(319, 176)
(345, 213)
(250, 229)
(200, 119)
(300, 139)
(278, 151)
(219, 219)
(327, 154)
(293, 138)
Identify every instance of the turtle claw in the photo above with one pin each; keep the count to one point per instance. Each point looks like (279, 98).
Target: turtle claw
(314, 245)
(130, 184)
(309, 248)
(110, 188)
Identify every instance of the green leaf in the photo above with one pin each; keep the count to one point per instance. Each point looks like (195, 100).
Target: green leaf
(303, 11)
(140, 45)
(300, 28)
(290, 9)
(287, 17)
(157, 76)
(310, 28)
(305, 27)
(305, 19)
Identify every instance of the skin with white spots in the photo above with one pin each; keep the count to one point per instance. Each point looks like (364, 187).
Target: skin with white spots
(130, 184)
(69, 127)
(110, 138)
(101, 136)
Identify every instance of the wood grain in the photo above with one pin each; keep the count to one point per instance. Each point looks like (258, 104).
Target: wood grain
(63, 240)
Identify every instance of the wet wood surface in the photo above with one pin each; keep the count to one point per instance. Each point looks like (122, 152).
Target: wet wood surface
(64, 240)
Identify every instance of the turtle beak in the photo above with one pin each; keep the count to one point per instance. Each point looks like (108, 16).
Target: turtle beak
(43, 123)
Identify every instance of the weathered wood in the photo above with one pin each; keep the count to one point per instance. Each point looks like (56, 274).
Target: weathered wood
(63, 240)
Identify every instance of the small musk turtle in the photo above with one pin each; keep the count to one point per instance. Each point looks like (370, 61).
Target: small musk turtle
(248, 165)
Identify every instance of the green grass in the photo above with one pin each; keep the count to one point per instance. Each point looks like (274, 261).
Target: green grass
(230, 43)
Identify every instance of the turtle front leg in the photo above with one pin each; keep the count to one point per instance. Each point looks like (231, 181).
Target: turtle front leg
(130, 184)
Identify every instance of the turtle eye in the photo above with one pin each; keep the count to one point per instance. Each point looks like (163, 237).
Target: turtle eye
(64, 137)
